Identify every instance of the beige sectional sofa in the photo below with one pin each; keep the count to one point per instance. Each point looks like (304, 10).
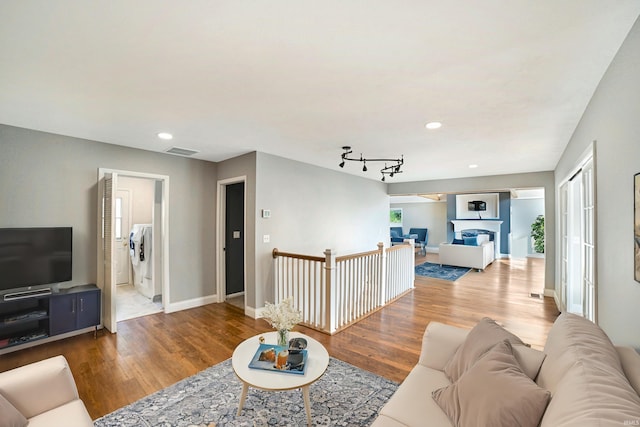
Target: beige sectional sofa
(42, 394)
(581, 379)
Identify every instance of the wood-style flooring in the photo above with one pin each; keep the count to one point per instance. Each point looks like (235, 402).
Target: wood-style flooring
(152, 352)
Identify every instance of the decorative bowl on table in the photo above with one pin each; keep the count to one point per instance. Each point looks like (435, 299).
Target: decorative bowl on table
(296, 345)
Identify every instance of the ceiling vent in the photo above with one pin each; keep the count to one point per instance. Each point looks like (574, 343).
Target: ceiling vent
(181, 151)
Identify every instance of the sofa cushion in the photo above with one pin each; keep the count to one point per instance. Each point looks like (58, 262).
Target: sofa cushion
(471, 241)
(587, 381)
(412, 405)
(529, 359)
(481, 338)
(494, 392)
(630, 361)
(72, 414)
(11, 417)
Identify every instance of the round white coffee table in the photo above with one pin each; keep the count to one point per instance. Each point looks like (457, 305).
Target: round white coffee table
(317, 362)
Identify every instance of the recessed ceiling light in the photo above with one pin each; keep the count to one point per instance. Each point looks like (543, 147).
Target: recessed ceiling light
(433, 125)
(165, 135)
(473, 166)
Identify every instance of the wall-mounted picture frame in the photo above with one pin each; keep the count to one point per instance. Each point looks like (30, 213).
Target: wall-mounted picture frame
(636, 225)
(395, 217)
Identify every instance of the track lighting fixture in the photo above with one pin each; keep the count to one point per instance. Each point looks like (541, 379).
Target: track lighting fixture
(386, 170)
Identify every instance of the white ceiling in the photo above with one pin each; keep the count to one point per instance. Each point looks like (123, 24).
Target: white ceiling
(509, 79)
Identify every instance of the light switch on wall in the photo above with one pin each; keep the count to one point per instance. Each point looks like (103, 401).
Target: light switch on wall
(266, 238)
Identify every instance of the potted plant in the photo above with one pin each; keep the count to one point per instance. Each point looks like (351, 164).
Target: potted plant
(537, 232)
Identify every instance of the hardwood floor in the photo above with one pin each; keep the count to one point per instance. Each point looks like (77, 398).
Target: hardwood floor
(155, 351)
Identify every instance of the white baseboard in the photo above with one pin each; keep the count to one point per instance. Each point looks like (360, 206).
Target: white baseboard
(255, 313)
(192, 303)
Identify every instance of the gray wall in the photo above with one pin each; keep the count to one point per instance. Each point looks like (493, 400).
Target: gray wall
(432, 215)
(523, 213)
(612, 119)
(313, 209)
(488, 184)
(245, 165)
(50, 180)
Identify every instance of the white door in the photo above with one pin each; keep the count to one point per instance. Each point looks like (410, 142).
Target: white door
(121, 230)
(577, 210)
(589, 241)
(109, 286)
(575, 295)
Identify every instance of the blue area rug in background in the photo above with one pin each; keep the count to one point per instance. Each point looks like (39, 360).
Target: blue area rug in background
(444, 272)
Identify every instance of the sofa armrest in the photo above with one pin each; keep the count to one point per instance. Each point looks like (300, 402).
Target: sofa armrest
(439, 343)
(40, 386)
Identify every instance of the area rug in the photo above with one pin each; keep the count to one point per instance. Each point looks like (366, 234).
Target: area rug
(344, 396)
(444, 272)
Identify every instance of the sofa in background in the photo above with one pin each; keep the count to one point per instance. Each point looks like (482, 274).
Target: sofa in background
(581, 379)
(476, 252)
(42, 394)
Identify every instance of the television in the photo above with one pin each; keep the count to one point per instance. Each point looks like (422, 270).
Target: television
(32, 260)
(477, 205)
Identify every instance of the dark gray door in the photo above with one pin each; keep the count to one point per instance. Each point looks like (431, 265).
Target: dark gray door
(234, 238)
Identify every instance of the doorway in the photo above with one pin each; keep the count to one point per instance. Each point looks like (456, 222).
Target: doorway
(110, 219)
(232, 227)
(137, 291)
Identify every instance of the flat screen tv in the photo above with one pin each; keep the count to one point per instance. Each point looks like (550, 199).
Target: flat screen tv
(477, 205)
(32, 259)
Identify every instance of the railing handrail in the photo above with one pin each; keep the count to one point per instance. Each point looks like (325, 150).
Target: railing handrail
(276, 253)
(358, 255)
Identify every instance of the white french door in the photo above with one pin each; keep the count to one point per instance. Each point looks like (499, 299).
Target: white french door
(577, 200)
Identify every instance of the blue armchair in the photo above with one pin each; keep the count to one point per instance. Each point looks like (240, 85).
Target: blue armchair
(423, 235)
(397, 235)
(420, 235)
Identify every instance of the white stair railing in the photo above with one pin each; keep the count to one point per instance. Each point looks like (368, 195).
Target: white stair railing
(334, 292)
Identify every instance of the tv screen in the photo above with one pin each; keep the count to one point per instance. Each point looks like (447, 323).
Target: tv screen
(34, 256)
(477, 205)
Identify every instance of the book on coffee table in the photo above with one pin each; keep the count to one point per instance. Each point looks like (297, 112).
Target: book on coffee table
(266, 357)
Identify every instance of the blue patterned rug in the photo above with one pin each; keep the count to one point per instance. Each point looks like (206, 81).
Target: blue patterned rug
(444, 272)
(343, 396)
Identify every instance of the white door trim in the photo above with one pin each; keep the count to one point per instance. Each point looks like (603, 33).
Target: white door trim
(164, 230)
(220, 227)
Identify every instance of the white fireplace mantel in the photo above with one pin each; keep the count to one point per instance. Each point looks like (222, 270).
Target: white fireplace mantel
(479, 224)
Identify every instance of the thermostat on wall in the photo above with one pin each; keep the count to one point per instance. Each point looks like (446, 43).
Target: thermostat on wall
(266, 213)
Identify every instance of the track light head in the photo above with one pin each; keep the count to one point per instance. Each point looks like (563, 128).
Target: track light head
(341, 164)
(364, 168)
(383, 178)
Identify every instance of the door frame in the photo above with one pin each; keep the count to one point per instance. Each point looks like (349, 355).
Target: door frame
(163, 227)
(221, 282)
